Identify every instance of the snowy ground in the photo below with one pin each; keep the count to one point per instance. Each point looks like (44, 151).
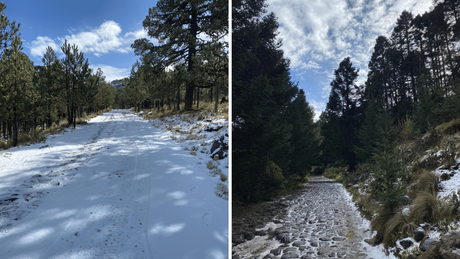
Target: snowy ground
(115, 188)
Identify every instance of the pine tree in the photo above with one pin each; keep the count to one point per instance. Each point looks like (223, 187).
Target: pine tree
(49, 85)
(387, 170)
(18, 72)
(261, 93)
(305, 139)
(75, 80)
(341, 119)
(177, 24)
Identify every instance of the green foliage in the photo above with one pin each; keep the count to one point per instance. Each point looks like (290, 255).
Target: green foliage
(274, 179)
(305, 138)
(387, 186)
(341, 118)
(262, 94)
(335, 173)
(406, 130)
(176, 25)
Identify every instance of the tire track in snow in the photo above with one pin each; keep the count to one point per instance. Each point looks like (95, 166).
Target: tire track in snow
(20, 201)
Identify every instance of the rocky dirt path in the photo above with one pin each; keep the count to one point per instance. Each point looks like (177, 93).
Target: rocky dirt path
(318, 222)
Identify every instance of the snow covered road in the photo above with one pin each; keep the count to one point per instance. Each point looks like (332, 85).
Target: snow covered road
(115, 188)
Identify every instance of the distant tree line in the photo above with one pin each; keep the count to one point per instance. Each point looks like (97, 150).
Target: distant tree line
(33, 96)
(191, 56)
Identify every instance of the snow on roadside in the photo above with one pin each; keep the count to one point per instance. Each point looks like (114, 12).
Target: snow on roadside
(372, 251)
(452, 185)
(197, 133)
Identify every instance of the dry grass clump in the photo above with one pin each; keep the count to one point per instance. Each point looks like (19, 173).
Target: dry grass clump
(222, 191)
(367, 206)
(449, 128)
(398, 226)
(428, 208)
(427, 182)
(213, 168)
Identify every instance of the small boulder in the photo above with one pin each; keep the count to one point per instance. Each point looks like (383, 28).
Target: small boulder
(298, 243)
(406, 243)
(284, 238)
(419, 234)
(276, 251)
(425, 245)
(445, 176)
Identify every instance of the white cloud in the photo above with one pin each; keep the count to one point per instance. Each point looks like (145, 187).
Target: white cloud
(102, 40)
(111, 73)
(39, 46)
(318, 108)
(325, 32)
(318, 30)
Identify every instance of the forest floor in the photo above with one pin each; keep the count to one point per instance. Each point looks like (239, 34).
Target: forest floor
(116, 187)
(319, 221)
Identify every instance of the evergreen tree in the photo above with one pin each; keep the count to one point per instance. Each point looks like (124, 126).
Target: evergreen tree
(177, 24)
(387, 170)
(49, 85)
(75, 80)
(262, 91)
(341, 119)
(368, 135)
(305, 139)
(18, 72)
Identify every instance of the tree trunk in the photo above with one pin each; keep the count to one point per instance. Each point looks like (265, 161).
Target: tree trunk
(178, 98)
(15, 128)
(217, 98)
(197, 98)
(191, 54)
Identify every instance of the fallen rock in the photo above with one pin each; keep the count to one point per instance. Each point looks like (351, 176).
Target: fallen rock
(284, 238)
(419, 234)
(445, 176)
(276, 251)
(298, 243)
(425, 245)
(406, 243)
(219, 148)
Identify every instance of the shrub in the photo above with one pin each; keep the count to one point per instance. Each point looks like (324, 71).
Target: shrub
(450, 148)
(222, 191)
(428, 208)
(406, 130)
(367, 205)
(398, 226)
(427, 182)
(274, 177)
(335, 173)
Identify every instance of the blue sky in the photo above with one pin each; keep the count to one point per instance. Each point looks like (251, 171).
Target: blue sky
(317, 35)
(103, 30)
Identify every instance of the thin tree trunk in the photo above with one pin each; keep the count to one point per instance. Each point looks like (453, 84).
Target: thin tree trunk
(217, 98)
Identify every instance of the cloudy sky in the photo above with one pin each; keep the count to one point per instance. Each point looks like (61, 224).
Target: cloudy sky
(104, 30)
(317, 35)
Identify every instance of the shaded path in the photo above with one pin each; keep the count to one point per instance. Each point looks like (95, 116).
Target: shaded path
(319, 223)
